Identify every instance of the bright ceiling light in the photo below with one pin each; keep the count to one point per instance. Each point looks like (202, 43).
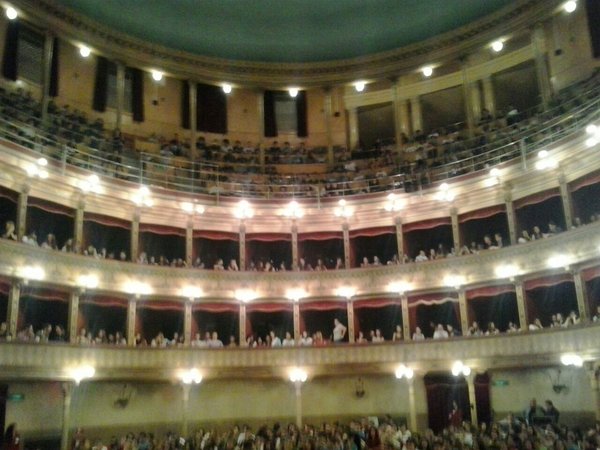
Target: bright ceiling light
(459, 368)
(594, 132)
(296, 294)
(137, 288)
(192, 208)
(346, 292)
(454, 281)
(293, 210)
(545, 161)
(243, 210)
(87, 281)
(191, 376)
(298, 375)
(399, 287)
(507, 271)
(157, 75)
(571, 359)
(558, 261)
(497, 46)
(11, 13)
(90, 184)
(427, 71)
(245, 295)
(404, 372)
(343, 210)
(80, 373)
(591, 129)
(226, 88)
(444, 194)
(191, 292)
(495, 172)
(570, 6)
(393, 203)
(293, 92)
(84, 51)
(360, 86)
(31, 273)
(143, 197)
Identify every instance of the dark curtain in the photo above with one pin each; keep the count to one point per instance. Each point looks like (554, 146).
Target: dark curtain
(383, 246)
(417, 240)
(44, 222)
(474, 230)
(384, 318)
(114, 239)
(442, 390)
(54, 69)
(301, 115)
(482, 398)
(429, 316)
(593, 292)
(137, 95)
(499, 309)
(3, 303)
(211, 109)
(544, 301)
(8, 211)
(328, 250)
(225, 323)
(171, 246)
(322, 321)
(185, 105)
(593, 15)
(540, 214)
(150, 322)
(209, 251)
(270, 120)
(262, 323)
(586, 202)
(276, 252)
(37, 312)
(11, 51)
(101, 84)
(3, 395)
(97, 317)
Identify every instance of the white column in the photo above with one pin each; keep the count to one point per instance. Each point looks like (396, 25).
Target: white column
(565, 196)
(593, 372)
(12, 313)
(21, 224)
(187, 323)
(242, 325)
(511, 218)
(120, 93)
(346, 237)
(67, 390)
(78, 231)
(416, 114)
(455, 228)
(464, 314)
(242, 237)
(396, 103)
(131, 318)
(521, 305)
(468, 102)
(297, 334)
(352, 129)
(476, 101)
(294, 244)
(135, 237)
(412, 405)
(189, 242)
(472, 400)
(298, 390)
(350, 311)
(185, 399)
(405, 317)
(399, 239)
(580, 292)
(73, 316)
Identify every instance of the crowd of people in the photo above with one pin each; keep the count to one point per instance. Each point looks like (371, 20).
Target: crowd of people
(537, 428)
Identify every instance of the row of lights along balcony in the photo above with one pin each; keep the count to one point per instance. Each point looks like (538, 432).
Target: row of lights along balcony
(495, 46)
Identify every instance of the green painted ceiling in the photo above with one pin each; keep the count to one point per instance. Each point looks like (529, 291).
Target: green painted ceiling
(284, 30)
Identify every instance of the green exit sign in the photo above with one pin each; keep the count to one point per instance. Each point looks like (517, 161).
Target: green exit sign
(500, 383)
(15, 397)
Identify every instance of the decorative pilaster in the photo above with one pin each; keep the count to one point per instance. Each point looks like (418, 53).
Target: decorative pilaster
(346, 236)
(21, 224)
(135, 236)
(397, 115)
(242, 325)
(399, 238)
(193, 99)
(472, 400)
(489, 99)
(565, 196)
(350, 311)
(73, 316)
(464, 313)
(455, 228)
(185, 400)
(511, 218)
(78, 231)
(475, 91)
(12, 310)
(242, 236)
(297, 334)
(120, 94)
(538, 41)
(521, 305)
(187, 323)
(189, 242)
(416, 114)
(412, 404)
(46, 74)
(67, 390)
(468, 101)
(353, 129)
(405, 317)
(131, 318)
(593, 372)
(328, 132)
(295, 257)
(580, 292)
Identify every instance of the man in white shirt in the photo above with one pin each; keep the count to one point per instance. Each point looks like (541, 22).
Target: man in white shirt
(288, 341)
(339, 331)
(306, 340)
(421, 257)
(275, 341)
(439, 332)
(215, 342)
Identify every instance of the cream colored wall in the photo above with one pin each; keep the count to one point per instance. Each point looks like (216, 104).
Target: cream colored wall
(569, 33)
(575, 404)
(159, 405)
